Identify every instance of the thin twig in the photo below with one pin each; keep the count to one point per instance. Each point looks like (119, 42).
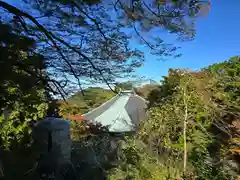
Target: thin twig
(92, 19)
(148, 44)
(51, 37)
(115, 5)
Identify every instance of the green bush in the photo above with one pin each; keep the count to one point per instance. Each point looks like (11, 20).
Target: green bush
(208, 101)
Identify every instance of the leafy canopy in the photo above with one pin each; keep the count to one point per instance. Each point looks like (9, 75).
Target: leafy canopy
(209, 101)
(90, 40)
(23, 94)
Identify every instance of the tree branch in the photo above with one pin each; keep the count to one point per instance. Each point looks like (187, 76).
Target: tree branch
(115, 5)
(52, 38)
(185, 101)
(92, 19)
(148, 44)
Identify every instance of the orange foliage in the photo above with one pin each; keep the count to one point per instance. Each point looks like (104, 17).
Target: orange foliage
(74, 117)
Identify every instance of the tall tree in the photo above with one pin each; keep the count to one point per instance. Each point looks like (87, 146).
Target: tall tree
(89, 39)
(22, 84)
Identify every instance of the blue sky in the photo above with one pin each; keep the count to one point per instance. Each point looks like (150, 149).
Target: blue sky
(217, 39)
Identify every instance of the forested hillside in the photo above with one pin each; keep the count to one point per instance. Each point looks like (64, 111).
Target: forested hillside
(82, 102)
(192, 131)
(193, 128)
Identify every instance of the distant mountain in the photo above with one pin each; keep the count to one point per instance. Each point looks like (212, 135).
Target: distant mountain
(93, 97)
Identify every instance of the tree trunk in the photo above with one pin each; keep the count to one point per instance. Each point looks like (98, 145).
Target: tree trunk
(185, 129)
